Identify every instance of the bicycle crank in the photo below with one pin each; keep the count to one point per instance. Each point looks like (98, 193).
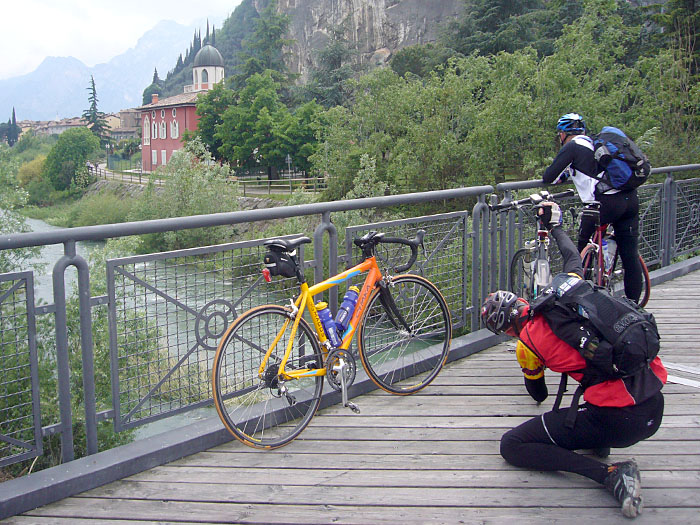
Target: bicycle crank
(341, 369)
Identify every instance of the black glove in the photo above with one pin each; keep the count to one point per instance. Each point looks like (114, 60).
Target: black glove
(537, 388)
(550, 215)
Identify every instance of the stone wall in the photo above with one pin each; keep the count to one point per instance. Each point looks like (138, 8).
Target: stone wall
(377, 27)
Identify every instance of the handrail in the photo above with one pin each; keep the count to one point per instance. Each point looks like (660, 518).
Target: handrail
(106, 231)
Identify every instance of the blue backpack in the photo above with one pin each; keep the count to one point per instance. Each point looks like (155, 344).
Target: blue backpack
(623, 164)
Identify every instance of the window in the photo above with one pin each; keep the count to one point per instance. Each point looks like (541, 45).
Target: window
(146, 131)
(153, 114)
(154, 129)
(162, 129)
(174, 112)
(154, 157)
(162, 113)
(163, 157)
(174, 129)
(205, 76)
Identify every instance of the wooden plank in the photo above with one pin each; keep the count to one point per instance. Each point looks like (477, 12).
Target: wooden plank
(224, 512)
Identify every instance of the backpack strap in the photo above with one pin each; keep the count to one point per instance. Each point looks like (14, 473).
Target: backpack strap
(560, 392)
(572, 411)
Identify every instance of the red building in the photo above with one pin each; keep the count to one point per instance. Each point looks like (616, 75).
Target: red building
(164, 121)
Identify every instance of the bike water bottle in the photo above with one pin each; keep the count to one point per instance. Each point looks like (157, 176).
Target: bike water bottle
(346, 309)
(612, 248)
(328, 323)
(607, 257)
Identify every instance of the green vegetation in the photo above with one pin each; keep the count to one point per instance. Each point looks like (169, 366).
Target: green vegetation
(65, 164)
(94, 118)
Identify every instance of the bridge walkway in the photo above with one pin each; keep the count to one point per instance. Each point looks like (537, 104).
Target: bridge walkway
(427, 458)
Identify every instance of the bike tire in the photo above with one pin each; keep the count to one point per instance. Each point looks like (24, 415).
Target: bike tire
(619, 278)
(397, 361)
(590, 264)
(254, 409)
(520, 284)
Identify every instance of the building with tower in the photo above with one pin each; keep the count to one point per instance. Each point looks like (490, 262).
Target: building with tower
(164, 121)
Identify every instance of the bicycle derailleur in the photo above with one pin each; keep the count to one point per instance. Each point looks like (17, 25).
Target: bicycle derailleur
(341, 369)
(276, 385)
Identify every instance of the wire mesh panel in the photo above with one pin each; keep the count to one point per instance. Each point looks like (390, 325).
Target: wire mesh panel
(444, 261)
(167, 314)
(20, 423)
(650, 222)
(687, 237)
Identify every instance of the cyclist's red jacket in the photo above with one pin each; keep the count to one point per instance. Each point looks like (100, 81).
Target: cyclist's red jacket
(559, 356)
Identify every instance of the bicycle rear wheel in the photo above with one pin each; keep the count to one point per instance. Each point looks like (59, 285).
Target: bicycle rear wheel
(617, 276)
(265, 412)
(522, 274)
(399, 360)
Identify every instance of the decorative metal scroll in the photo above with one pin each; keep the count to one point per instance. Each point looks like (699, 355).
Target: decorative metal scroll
(167, 313)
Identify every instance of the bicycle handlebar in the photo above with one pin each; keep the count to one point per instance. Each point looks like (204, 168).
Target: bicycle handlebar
(539, 197)
(412, 243)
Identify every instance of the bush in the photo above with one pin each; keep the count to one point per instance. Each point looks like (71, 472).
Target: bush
(103, 208)
(31, 171)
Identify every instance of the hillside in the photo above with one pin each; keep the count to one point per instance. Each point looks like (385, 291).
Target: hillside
(376, 28)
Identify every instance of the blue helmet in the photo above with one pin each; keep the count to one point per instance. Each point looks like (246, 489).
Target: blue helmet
(571, 124)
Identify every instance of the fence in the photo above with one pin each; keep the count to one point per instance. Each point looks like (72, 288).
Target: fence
(163, 313)
(251, 186)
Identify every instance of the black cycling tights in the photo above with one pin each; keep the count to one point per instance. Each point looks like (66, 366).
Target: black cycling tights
(544, 443)
(622, 211)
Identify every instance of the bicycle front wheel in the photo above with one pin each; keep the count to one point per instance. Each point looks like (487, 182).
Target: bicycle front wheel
(521, 274)
(264, 410)
(591, 265)
(404, 359)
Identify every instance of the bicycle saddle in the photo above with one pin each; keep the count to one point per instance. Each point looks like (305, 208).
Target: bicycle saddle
(286, 245)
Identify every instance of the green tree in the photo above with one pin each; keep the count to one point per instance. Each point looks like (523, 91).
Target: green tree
(210, 108)
(13, 130)
(250, 131)
(66, 160)
(94, 118)
(264, 49)
(333, 69)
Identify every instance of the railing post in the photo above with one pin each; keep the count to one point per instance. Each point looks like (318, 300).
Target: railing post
(327, 226)
(668, 221)
(63, 352)
(479, 221)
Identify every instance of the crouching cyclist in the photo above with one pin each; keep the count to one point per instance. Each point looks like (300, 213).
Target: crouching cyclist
(616, 413)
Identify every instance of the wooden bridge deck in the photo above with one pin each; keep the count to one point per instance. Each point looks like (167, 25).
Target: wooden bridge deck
(427, 458)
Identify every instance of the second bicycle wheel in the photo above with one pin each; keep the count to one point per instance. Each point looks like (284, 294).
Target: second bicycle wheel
(522, 274)
(401, 360)
(616, 278)
(263, 410)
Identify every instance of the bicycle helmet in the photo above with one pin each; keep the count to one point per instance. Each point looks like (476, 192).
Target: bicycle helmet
(500, 312)
(571, 124)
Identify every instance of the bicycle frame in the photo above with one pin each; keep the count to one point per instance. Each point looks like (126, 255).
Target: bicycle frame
(306, 301)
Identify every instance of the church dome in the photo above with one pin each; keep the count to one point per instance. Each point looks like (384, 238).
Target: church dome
(208, 56)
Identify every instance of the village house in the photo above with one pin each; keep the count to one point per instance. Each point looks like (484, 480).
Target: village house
(164, 121)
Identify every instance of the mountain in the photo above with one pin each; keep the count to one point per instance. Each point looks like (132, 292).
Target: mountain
(57, 88)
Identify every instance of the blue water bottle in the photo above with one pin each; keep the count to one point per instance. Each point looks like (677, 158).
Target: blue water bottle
(342, 318)
(328, 323)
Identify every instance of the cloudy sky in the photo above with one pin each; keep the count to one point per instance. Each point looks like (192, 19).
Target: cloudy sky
(93, 31)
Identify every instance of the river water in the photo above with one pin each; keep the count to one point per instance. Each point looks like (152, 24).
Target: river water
(42, 265)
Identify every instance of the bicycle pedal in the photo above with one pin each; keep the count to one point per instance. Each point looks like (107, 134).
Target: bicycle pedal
(352, 406)
(291, 399)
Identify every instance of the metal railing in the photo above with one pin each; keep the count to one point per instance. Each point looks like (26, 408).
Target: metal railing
(163, 313)
(281, 186)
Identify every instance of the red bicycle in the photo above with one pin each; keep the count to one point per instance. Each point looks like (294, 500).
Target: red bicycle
(603, 266)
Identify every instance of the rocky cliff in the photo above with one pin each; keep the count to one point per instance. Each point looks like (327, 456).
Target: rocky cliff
(376, 27)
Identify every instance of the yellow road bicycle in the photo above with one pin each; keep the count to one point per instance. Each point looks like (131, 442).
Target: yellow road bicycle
(269, 367)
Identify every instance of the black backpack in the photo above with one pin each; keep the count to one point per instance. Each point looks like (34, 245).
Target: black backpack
(623, 164)
(615, 336)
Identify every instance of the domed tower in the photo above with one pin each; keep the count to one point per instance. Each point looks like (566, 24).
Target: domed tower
(207, 69)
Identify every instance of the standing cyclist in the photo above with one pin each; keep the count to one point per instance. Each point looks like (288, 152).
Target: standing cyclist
(576, 160)
(616, 413)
